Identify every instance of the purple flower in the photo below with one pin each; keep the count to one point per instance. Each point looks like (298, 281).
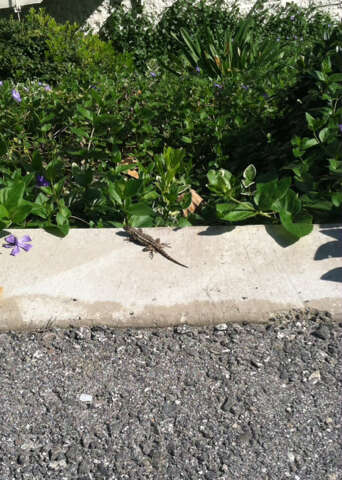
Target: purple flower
(245, 87)
(12, 241)
(16, 95)
(153, 74)
(292, 17)
(1, 83)
(198, 69)
(42, 182)
(340, 127)
(217, 85)
(48, 88)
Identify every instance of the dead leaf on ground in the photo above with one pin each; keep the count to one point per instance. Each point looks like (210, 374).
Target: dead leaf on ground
(196, 200)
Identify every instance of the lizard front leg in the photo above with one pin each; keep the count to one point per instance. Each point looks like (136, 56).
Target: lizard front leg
(157, 240)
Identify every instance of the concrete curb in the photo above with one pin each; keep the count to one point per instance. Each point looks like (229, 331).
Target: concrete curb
(245, 273)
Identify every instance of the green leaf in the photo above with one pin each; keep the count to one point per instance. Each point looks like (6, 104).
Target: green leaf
(79, 132)
(11, 196)
(323, 134)
(61, 219)
(323, 205)
(220, 181)
(289, 203)
(140, 209)
(268, 193)
(85, 113)
(139, 221)
(54, 169)
(37, 161)
(132, 187)
(186, 139)
(3, 212)
(46, 127)
(310, 120)
(336, 198)
(232, 212)
(21, 212)
(3, 147)
(301, 226)
(308, 143)
(58, 230)
(335, 77)
(249, 173)
(115, 193)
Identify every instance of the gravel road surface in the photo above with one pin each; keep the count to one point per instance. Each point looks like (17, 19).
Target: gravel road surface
(231, 402)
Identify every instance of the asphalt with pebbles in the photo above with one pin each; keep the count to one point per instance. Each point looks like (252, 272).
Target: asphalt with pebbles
(231, 402)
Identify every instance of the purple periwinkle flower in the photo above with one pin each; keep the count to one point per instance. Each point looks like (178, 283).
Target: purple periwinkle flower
(48, 88)
(15, 244)
(245, 87)
(1, 83)
(340, 127)
(217, 85)
(198, 69)
(153, 74)
(42, 182)
(16, 95)
(292, 17)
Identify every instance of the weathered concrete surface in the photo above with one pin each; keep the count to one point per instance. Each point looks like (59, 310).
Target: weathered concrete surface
(246, 273)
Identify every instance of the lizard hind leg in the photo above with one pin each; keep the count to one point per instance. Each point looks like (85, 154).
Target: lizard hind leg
(149, 249)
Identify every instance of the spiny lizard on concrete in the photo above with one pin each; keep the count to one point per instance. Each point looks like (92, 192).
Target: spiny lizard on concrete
(151, 245)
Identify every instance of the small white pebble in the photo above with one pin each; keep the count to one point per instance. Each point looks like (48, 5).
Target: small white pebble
(291, 457)
(221, 326)
(315, 376)
(86, 398)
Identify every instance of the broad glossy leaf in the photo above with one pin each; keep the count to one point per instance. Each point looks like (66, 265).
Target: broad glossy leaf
(11, 196)
(140, 209)
(21, 212)
(268, 193)
(3, 212)
(58, 230)
(289, 203)
(301, 226)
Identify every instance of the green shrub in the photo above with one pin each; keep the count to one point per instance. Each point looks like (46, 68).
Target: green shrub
(139, 33)
(39, 48)
(255, 143)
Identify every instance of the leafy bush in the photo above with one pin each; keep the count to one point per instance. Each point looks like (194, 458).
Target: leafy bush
(39, 48)
(100, 147)
(146, 38)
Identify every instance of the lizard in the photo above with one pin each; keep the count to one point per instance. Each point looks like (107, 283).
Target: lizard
(151, 245)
